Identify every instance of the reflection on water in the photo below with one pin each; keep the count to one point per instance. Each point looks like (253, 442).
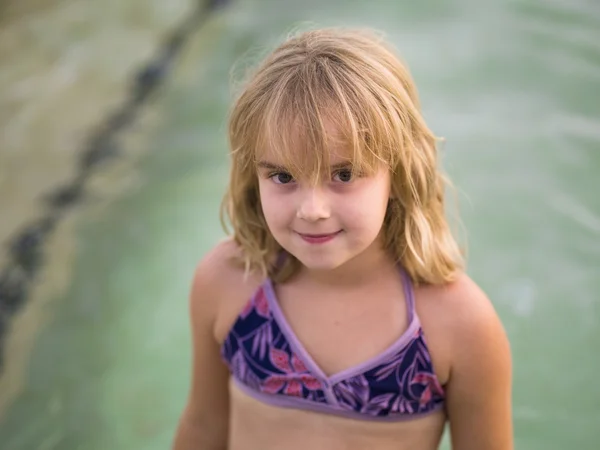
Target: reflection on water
(64, 65)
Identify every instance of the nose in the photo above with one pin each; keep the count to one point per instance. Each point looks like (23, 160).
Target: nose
(313, 205)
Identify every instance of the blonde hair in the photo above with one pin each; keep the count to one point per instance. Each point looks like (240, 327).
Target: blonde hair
(352, 79)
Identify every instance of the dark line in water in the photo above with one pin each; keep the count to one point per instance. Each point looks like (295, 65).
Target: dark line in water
(25, 250)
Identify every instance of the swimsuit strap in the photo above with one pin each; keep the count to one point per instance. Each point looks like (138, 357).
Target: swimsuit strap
(409, 294)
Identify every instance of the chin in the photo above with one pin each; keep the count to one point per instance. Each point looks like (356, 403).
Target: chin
(321, 265)
(321, 262)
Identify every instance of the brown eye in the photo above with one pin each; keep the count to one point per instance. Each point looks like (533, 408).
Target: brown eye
(281, 178)
(344, 176)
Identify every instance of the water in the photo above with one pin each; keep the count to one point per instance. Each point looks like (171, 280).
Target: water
(512, 86)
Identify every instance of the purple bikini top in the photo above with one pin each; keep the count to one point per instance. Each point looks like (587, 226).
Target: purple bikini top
(268, 362)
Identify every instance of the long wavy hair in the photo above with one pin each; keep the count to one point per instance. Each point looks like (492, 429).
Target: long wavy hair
(353, 79)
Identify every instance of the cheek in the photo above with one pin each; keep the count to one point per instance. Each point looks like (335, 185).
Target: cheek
(367, 209)
(266, 201)
(365, 215)
(272, 206)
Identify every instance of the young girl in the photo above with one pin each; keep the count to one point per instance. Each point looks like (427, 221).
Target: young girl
(338, 315)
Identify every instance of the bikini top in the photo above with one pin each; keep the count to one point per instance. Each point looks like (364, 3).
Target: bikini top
(268, 362)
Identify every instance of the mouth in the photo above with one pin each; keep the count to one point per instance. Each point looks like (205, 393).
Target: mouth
(318, 238)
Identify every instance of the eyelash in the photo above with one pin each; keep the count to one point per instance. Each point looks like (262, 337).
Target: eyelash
(272, 176)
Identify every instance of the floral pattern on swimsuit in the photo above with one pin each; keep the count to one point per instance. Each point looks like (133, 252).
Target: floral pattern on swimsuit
(270, 364)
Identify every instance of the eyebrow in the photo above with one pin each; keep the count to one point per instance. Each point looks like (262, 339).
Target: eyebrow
(270, 166)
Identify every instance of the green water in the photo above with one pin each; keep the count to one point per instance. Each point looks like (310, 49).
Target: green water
(514, 89)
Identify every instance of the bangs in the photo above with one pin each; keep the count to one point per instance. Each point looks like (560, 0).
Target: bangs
(316, 115)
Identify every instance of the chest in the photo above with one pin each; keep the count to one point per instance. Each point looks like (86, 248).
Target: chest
(341, 329)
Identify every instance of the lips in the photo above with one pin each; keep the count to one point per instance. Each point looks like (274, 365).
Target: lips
(318, 238)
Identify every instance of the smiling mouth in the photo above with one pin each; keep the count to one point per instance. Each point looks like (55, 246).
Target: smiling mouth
(318, 238)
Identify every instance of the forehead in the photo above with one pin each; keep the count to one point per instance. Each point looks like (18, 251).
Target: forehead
(306, 153)
(302, 157)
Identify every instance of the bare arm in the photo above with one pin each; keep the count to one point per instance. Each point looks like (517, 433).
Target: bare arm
(204, 422)
(479, 390)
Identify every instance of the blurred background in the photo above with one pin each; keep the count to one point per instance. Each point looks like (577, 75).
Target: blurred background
(113, 162)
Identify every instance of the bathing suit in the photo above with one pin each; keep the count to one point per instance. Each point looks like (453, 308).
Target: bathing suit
(268, 363)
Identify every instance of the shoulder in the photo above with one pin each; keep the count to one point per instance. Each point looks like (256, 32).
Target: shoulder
(220, 286)
(480, 347)
(477, 353)
(463, 325)
(461, 309)
(473, 322)
(219, 262)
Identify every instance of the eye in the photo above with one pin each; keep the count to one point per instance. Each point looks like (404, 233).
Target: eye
(281, 178)
(343, 175)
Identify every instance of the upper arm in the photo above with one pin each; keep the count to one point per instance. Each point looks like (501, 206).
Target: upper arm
(479, 389)
(207, 409)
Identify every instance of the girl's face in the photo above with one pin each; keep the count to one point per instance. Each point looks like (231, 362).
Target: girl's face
(327, 224)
